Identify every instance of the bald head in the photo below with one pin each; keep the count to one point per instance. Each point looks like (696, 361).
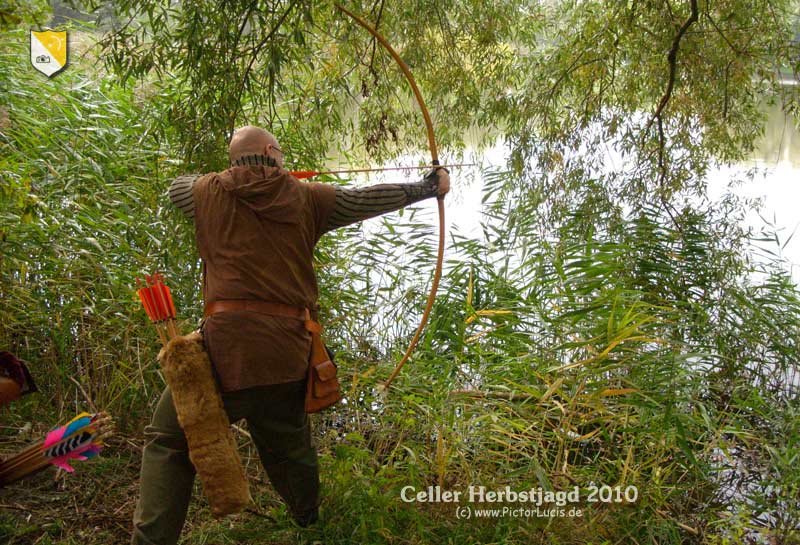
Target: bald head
(250, 140)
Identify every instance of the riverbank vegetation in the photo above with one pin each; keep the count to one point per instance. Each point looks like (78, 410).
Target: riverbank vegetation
(609, 324)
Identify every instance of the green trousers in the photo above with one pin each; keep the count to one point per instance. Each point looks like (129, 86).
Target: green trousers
(281, 432)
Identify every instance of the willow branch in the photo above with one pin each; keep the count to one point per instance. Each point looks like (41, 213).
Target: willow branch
(257, 49)
(672, 58)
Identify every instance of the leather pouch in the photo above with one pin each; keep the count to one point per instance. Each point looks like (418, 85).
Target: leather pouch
(322, 385)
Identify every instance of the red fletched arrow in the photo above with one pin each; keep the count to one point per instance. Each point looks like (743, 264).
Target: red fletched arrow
(144, 297)
(157, 301)
(302, 174)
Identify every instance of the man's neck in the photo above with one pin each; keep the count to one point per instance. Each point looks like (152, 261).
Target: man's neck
(254, 160)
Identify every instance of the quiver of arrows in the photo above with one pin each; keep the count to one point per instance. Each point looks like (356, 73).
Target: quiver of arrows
(201, 414)
(198, 404)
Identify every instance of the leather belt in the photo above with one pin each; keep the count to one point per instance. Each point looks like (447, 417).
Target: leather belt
(253, 305)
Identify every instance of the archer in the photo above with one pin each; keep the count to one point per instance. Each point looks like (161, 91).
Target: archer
(256, 227)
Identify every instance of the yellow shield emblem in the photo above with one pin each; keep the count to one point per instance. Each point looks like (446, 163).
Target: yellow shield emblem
(49, 51)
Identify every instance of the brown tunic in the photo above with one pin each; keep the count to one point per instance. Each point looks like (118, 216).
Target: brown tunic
(256, 227)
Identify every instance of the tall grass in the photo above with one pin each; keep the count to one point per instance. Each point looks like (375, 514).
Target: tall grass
(83, 214)
(633, 352)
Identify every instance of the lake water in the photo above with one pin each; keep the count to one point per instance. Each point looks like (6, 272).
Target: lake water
(777, 157)
(777, 184)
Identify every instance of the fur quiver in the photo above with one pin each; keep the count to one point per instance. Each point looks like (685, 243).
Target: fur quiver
(201, 414)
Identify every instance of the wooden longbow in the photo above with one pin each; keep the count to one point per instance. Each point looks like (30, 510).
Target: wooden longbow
(437, 275)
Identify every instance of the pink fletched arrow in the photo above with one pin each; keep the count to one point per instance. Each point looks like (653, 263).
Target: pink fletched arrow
(79, 439)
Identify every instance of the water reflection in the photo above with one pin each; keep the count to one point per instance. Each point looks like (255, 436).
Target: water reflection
(777, 158)
(781, 140)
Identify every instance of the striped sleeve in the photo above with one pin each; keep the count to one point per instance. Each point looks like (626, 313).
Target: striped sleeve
(180, 193)
(354, 205)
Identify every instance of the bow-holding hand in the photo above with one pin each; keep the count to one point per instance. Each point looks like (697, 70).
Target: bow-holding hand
(440, 177)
